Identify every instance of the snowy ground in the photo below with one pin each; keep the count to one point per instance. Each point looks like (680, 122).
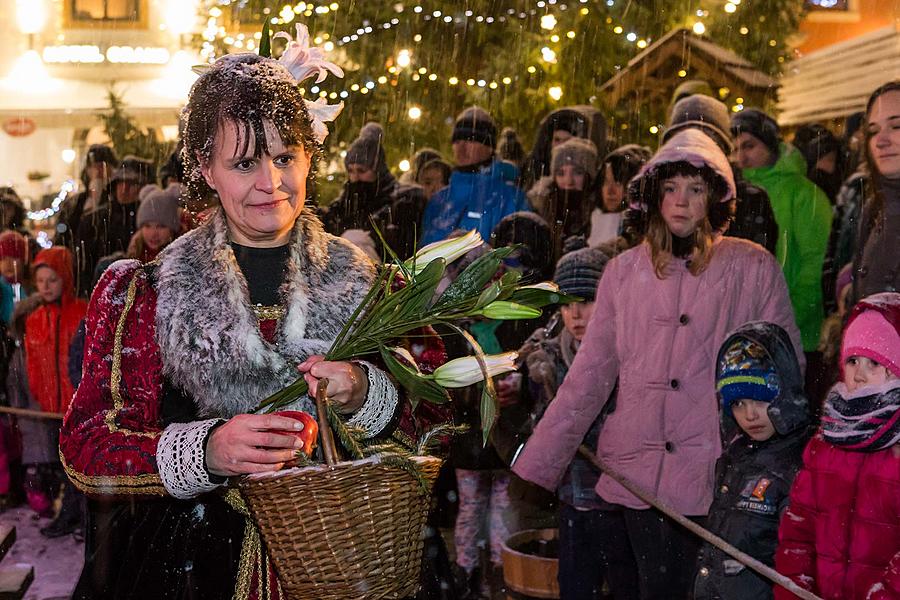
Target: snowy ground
(57, 562)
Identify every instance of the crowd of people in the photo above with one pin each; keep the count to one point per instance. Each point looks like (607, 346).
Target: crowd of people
(736, 352)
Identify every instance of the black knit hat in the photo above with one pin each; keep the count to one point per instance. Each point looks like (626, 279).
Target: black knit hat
(578, 272)
(759, 125)
(366, 150)
(475, 125)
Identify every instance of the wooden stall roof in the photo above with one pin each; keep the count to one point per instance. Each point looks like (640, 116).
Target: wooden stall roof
(836, 81)
(652, 74)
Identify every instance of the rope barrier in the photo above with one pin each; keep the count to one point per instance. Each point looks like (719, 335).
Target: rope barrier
(27, 412)
(707, 536)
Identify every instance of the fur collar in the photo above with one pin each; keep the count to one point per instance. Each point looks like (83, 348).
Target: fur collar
(207, 332)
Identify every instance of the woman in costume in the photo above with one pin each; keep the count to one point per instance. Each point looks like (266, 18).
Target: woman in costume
(179, 352)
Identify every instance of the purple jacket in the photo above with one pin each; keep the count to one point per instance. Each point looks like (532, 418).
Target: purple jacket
(660, 339)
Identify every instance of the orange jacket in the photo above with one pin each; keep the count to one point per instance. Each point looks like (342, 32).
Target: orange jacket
(48, 332)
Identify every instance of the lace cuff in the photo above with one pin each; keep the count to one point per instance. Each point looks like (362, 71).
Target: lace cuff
(378, 410)
(181, 456)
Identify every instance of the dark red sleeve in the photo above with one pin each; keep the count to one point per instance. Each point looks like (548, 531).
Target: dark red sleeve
(109, 435)
(428, 350)
(796, 555)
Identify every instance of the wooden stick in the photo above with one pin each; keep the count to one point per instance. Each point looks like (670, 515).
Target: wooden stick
(325, 433)
(742, 557)
(27, 412)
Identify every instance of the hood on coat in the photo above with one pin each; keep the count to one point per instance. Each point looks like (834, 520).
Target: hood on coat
(60, 260)
(691, 146)
(789, 411)
(582, 121)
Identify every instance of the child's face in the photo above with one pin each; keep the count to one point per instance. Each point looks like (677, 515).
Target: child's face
(753, 417)
(432, 180)
(155, 235)
(576, 317)
(860, 371)
(49, 284)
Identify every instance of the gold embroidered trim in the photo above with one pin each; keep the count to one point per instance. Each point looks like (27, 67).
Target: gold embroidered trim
(115, 380)
(118, 484)
(267, 313)
(251, 551)
(404, 439)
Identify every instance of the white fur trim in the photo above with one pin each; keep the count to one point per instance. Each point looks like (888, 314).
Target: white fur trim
(181, 456)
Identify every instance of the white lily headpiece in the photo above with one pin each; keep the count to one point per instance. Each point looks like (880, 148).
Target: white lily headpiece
(303, 62)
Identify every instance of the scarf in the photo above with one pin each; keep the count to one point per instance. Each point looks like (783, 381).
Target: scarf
(866, 420)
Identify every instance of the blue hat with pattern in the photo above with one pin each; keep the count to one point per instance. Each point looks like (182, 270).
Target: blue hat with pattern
(746, 372)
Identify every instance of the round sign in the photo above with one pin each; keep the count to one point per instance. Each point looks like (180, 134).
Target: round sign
(19, 126)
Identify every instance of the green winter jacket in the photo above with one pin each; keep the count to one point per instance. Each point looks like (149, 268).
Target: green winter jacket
(804, 216)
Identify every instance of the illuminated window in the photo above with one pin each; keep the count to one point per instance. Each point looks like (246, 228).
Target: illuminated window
(828, 4)
(112, 13)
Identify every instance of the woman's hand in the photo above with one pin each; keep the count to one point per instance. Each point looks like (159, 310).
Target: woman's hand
(246, 444)
(347, 382)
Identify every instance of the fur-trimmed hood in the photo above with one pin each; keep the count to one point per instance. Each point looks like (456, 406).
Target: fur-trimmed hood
(208, 335)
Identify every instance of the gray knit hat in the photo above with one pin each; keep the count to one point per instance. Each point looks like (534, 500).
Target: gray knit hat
(366, 149)
(575, 151)
(160, 206)
(579, 271)
(704, 113)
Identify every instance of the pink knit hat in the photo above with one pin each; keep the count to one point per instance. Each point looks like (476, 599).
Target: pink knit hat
(869, 333)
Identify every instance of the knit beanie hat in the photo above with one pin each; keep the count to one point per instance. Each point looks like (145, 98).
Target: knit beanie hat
(746, 372)
(367, 150)
(873, 331)
(13, 245)
(691, 87)
(475, 125)
(579, 152)
(704, 113)
(759, 125)
(579, 271)
(160, 206)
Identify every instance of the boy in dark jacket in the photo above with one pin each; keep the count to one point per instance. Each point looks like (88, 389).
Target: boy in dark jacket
(765, 425)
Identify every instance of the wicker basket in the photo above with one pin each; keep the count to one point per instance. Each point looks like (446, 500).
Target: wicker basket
(343, 530)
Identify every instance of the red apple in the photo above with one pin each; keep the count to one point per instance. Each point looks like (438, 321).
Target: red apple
(307, 435)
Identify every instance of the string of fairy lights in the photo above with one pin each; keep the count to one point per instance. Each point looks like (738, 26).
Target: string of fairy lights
(404, 58)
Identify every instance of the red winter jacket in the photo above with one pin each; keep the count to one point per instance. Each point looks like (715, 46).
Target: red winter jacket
(48, 332)
(840, 537)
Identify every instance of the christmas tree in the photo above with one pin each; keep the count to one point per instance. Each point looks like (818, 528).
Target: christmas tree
(413, 65)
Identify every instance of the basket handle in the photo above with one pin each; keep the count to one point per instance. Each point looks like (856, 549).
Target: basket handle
(325, 433)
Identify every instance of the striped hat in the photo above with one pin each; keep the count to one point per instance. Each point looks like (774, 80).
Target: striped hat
(746, 372)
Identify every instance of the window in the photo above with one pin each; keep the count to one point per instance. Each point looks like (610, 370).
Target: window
(112, 13)
(828, 4)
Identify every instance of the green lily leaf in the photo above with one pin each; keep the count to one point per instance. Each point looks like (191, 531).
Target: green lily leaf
(417, 385)
(503, 310)
(539, 298)
(489, 413)
(265, 42)
(473, 279)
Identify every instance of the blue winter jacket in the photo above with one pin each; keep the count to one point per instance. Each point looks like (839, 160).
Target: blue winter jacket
(477, 200)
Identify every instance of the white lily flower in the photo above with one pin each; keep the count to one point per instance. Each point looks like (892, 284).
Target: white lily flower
(321, 112)
(546, 286)
(404, 353)
(449, 250)
(304, 61)
(465, 371)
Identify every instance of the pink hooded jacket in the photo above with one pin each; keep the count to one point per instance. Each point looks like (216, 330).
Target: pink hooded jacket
(659, 338)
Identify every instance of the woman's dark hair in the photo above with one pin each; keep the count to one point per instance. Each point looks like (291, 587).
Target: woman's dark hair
(98, 153)
(625, 162)
(245, 89)
(532, 233)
